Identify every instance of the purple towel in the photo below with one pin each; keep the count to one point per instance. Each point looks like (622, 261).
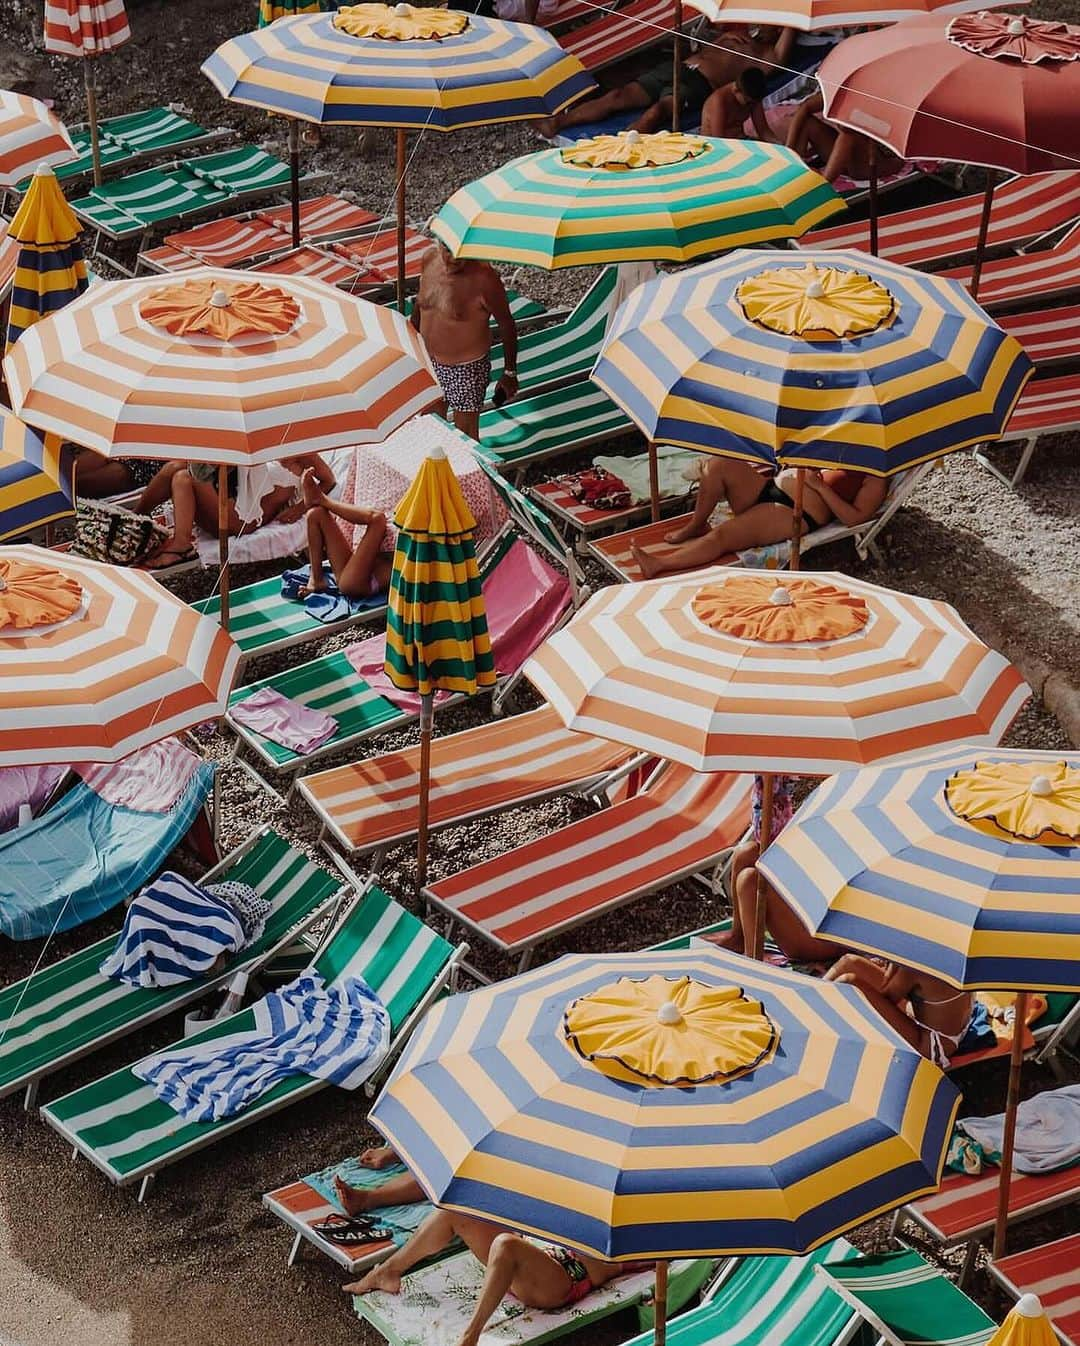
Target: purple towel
(284, 721)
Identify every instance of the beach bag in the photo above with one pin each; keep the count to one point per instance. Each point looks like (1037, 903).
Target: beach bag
(108, 532)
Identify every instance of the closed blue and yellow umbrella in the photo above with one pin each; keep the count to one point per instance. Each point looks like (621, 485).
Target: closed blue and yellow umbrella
(663, 1104)
(36, 478)
(50, 270)
(270, 10)
(834, 360)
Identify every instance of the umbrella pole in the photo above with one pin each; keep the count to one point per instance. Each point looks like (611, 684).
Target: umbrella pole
(90, 79)
(401, 161)
(797, 519)
(873, 199)
(660, 1305)
(984, 230)
(1012, 1102)
(223, 542)
(426, 716)
(676, 71)
(654, 481)
(755, 945)
(294, 178)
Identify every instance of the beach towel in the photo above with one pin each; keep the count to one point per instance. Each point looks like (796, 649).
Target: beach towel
(173, 932)
(148, 781)
(331, 605)
(1047, 1131)
(401, 1221)
(675, 470)
(25, 785)
(337, 1033)
(285, 721)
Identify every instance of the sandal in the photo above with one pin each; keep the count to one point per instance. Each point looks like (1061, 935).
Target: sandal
(181, 557)
(352, 1229)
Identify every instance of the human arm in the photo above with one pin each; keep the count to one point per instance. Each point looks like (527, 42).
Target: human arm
(784, 46)
(499, 307)
(796, 134)
(761, 126)
(867, 502)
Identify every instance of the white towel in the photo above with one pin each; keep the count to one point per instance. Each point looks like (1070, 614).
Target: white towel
(1047, 1131)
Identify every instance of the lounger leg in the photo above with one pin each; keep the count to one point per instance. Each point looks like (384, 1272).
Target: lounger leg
(144, 1187)
(970, 1254)
(295, 1250)
(1021, 467)
(525, 959)
(894, 1225)
(30, 1098)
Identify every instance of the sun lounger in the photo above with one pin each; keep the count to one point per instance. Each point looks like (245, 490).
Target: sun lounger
(908, 1302)
(370, 805)
(583, 520)
(1025, 209)
(1048, 274)
(1050, 1272)
(619, 33)
(84, 855)
(526, 600)
(1046, 407)
(9, 256)
(1057, 1030)
(68, 1010)
(1049, 335)
(680, 824)
(558, 420)
(124, 1130)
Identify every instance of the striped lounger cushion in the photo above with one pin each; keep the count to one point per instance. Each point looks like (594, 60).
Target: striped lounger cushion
(619, 33)
(566, 349)
(548, 423)
(260, 620)
(965, 1207)
(1051, 1272)
(1046, 274)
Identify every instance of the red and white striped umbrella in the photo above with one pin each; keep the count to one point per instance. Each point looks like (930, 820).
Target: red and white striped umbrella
(29, 135)
(733, 670)
(220, 367)
(85, 27)
(97, 660)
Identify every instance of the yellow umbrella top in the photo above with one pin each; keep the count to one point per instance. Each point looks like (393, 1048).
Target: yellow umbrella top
(1025, 1325)
(44, 217)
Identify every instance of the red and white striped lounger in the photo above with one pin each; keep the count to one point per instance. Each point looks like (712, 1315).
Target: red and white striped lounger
(619, 33)
(575, 516)
(567, 11)
(1053, 1273)
(1049, 274)
(1049, 335)
(681, 824)
(322, 217)
(963, 1209)
(369, 805)
(1046, 407)
(1024, 209)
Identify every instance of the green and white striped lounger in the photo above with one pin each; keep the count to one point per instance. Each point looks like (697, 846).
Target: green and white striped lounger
(908, 1302)
(64, 1012)
(548, 423)
(124, 1130)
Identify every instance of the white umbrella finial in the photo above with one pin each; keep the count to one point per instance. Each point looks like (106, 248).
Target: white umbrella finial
(219, 299)
(781, 597)
(1041, 786)
(44, 171)
(402, 10)
(1029, 1306)
(815, 290)
(668, 1014)
(1016, 27)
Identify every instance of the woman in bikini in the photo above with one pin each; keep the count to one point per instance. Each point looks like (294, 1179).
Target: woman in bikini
(546, 1277)
(762, 512)
(360, 571)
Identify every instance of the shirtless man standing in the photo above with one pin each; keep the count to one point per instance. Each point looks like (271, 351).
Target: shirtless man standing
(453, 311)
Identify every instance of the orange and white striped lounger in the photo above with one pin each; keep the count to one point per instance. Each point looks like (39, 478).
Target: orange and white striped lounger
(1051, 1272)
(370, 805)
(619, 33)
(681, 824)
(1024, 209)
(1048, 274)
(1046, 407)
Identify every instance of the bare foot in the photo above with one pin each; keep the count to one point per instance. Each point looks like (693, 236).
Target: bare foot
(312, 491)
(685, 533)
(379, 1156)
(353, 1200)
(548, 127)
(731, 940)
(382, 1277)
(314, 586)
(645, 563)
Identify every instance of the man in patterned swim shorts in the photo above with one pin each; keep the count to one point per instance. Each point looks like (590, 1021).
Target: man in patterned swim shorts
(455, 305)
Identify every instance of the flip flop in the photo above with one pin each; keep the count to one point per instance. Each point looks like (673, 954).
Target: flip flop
(181, 556)
(354, 1229)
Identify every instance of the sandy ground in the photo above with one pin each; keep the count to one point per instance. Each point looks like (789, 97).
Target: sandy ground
(202, 1262)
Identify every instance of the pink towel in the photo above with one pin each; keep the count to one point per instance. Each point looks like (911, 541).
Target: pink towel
(284, 721)
(149, 781)
(25, 785)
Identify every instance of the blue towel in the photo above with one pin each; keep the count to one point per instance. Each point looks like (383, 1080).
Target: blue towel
(173, 932)
(330, 605)
(336, 1033)
(402, 1221)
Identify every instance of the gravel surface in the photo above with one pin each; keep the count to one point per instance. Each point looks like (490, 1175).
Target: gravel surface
(202, 1262)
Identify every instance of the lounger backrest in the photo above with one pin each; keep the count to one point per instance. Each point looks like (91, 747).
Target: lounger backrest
(570, 346)
(528, 518)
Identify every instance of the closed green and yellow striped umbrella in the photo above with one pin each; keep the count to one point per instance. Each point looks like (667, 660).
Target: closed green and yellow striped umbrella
(436, 626)
(630, 197)
(36, 478)
(50, 270)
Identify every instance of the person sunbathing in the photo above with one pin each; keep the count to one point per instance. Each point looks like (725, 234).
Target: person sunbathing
(762, 512)
(838, 151)
(97, 476)
(400, 1190)
(652, 93)
(360, 571)
(785, 928)
(731, 108)
(540, 1277)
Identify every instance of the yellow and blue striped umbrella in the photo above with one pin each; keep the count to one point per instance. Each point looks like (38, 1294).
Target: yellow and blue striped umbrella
(783, 1132)
(836, 359)
(36, 478)
(928, 862)
(560, 208)
(314, 69)
(50, 270)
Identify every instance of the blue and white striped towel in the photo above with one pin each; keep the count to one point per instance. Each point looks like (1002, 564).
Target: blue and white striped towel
(337, 1033)
(174, 931)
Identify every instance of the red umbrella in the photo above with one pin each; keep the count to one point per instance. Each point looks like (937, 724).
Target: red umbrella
(990, 88)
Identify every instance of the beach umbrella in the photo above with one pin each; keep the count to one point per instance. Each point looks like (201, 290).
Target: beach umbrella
(36, 478)
(29, 135)
(831, 360)
(99, 660)
(1026, 1324)
(733, 670)
(271, 10)
(219, 367)
(963, 862)
(413, 69)
(648, 1106)
(50, 269)
(812, 15)
(944, 67)
(436, 626)
(631, 197)
(84, 29)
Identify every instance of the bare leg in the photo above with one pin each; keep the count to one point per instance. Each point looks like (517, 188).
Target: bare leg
(97, 476)
(655, 118)
(435, 1234)
(745, 858)
(895, 1017)
(158, 490)
(757, 527)
(468, 422)
(400, 1190)
(183, 533)
(354, 578)
(730, 479)
(325, 539)
(379, 1156)
(515, 1264)
(596, 109)
(795, 941)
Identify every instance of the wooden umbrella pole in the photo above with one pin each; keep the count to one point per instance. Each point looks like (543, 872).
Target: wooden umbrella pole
(756, 944)
(676, 68)
(223, 542)
(90, 79)
(797, 518)
(294, 178)
(401, 161)
(984, 230)
(660, 1305)
(426, 717)
(654, 481)
(873, 199)
(1008, 1140)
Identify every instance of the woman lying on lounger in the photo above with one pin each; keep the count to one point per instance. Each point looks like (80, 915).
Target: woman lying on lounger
(360, 571)
(762, 512)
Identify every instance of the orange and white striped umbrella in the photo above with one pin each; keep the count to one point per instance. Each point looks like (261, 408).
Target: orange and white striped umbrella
(29, 135)
(733, 670)
(97, 661)
(220, 367)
